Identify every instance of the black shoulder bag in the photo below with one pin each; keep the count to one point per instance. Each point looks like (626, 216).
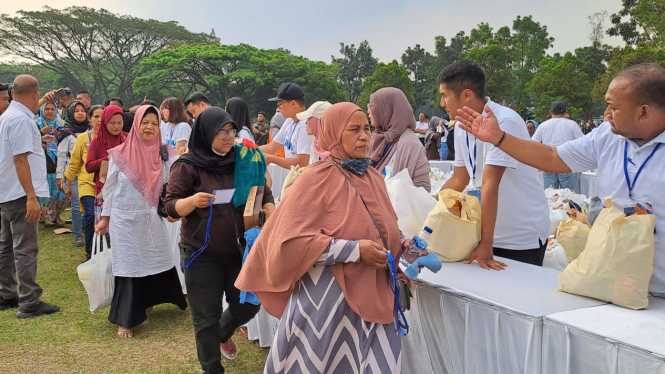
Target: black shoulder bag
(404, 294)
(161, 207)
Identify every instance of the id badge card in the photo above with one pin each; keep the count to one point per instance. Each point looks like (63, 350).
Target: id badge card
(223, 196)
(474, 192)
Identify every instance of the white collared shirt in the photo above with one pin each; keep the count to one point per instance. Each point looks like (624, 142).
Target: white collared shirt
(603, 150)
(421, 126)
(19, 134)
(557, 131)
(294, 138)
(522, 216)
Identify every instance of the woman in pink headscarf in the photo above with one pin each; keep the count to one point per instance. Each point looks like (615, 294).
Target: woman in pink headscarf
(313, 116)
(143, 267)
(394, 146)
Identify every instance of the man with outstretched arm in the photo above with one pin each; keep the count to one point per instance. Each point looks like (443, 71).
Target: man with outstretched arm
(627, 151)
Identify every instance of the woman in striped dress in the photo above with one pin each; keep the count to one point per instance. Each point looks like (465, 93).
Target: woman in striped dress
(320, 267)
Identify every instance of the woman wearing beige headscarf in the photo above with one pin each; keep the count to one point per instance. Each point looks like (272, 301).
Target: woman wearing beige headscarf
(394, 145)
(318, 264)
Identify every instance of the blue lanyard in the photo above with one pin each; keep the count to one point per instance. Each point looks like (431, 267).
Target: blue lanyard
(170, 139)
(205, 244)
(375, 164)
(639, 171)
(473, 162)
(394, 286)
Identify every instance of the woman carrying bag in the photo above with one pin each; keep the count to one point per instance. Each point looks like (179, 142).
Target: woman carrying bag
(142, 260)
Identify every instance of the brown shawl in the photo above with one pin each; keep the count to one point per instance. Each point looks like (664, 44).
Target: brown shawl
(320, 206)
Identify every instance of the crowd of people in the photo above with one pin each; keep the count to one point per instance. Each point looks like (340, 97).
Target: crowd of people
(167, 187)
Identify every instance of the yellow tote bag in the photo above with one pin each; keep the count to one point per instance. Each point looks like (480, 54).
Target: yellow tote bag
(617, 262)
(290, 178)
(454, 238)
(572, 235)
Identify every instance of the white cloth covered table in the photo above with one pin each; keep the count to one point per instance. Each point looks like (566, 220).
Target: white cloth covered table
(262, 328)
(465, 319)
(606, 340)
(445, 166)
(278, 175)
(589, 184)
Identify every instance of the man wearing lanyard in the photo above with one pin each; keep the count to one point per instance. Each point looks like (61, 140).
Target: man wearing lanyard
(292, 137)
(627, 151)
(515, 218)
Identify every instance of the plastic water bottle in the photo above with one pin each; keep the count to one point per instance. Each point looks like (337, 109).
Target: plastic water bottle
(419, 243)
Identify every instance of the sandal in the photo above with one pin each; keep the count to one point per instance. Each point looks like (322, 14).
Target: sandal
(229, 350)
(125, 333)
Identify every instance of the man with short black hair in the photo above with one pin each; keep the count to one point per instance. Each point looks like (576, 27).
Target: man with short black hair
(515, 220)
(554, 132)
(629, 143)
(83, 97)
(23, 169)
(292, 137)
(4, 97)
(421, 126)
(262, 126)
(116, 101)
(197, 103)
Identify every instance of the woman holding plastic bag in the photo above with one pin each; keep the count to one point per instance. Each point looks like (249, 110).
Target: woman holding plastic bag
(339, 254)
(142, 260)
(394, 146)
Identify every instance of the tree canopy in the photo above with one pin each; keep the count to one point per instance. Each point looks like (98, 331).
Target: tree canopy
(92, 49)
(387, 75)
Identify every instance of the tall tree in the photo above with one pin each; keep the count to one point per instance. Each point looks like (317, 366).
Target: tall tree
(95, 50)
(563, 80)
(491, 51)
(595, 58)
(445, 55)
(387, 75)
(354, 66)
(419, 64)
(640, 21)
(224, 71)
(529, 43)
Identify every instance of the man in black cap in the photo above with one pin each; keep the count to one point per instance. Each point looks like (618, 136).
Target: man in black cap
(554, 132)
(292, 137)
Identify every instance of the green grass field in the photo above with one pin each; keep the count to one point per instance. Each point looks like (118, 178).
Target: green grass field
(76, 341)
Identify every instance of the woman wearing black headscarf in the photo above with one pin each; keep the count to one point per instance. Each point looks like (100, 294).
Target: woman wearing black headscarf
(76, 124)
(213, 253)
(239, 111)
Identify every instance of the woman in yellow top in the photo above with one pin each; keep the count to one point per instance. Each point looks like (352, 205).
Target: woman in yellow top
(86, 184)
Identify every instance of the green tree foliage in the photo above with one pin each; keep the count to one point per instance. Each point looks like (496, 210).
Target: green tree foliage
(595, 58)
(355, 65)
(445, 55)
(622, 58)
(640, 21)
(529, 43)
(225, 71)
(387, 75)
(95, 50)
(561, 80)
(420, 63)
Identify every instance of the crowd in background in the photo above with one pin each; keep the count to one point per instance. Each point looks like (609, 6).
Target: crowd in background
(167, 187)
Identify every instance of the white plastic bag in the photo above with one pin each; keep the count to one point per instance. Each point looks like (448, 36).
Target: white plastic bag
(96, 275)
(411, 204)
(556, 216)
(555, 257)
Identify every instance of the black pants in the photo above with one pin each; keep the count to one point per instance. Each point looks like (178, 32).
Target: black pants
(207, 282)
(528, 256)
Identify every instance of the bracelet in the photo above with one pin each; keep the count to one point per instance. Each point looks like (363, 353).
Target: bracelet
(501, 141)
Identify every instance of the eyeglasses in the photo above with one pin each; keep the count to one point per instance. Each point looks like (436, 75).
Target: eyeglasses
(223, 133)
(280, 103)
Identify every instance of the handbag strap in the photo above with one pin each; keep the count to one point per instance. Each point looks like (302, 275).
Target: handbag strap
(364, 203)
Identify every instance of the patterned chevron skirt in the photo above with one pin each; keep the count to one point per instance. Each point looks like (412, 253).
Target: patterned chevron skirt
(320, 333)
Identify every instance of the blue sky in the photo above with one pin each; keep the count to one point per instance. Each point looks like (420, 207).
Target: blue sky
(315, 28)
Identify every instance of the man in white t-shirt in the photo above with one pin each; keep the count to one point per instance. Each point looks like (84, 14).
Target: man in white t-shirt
(631, 141)
(23, 170)
(421, 127)
(292, 137)
(555, 132)
(515, 218)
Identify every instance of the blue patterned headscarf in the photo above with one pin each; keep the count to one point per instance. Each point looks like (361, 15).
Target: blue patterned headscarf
(56, 123)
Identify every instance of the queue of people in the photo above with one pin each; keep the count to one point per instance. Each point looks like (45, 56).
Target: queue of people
(331, 236)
